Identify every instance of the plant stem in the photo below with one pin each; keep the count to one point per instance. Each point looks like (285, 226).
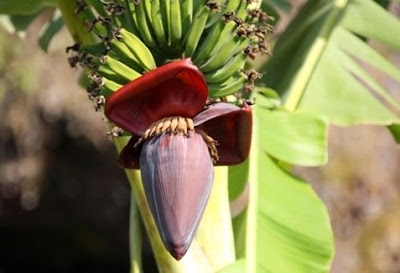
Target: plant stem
(74, 22)
(135, 239)
(215, 234)
(251, 230)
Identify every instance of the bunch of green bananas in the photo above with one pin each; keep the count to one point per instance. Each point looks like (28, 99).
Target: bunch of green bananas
(136, 36)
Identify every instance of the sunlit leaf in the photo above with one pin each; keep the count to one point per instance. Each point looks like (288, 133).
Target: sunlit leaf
(238, 267)
(239, 232)
(297, 138)
(367, 18)
(237, 177)
(318, 68)
(338, 95)
(288, 226)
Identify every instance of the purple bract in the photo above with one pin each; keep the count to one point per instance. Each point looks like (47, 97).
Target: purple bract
(175, 141)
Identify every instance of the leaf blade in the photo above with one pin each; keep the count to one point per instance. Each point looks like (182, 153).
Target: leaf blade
(288, 228)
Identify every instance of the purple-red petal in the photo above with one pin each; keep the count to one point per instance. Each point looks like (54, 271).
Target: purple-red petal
(129, 156)
(174, 89)
(231, 127)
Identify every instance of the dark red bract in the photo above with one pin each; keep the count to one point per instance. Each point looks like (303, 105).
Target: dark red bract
(174, 89)
(175, 140)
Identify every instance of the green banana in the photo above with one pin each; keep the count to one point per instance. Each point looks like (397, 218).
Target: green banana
(186, 15)
(139, 49)
(207, 45)
(196, 30)
(232, 5)
(221, 34)
(148, 9)
(130, 23)
(121, 52)
(230, 86)
(96, 4)
(166, 18)
(110, 85)
(106, 72)
(220, 57)
(234, 64)
(105, 92)
(95, 50)
(216, 14)
(242, 10)
(143, 25)
(213, 18)
(224, 35)
(121, 69)
(175, 33)
(158, 25)
(197, 4)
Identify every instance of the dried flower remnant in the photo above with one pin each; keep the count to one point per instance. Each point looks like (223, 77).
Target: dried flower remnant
(175, 141)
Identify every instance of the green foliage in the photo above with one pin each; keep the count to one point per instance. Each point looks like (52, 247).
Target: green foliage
(50, 29)
(24, 6)
(21, 22)
(323, 53)
(282, 5)
(317, 68)
(297, 138)
(237, 177)
(288, 228)
(238, 267)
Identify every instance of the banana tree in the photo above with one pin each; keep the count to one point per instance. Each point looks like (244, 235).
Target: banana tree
(182, 102)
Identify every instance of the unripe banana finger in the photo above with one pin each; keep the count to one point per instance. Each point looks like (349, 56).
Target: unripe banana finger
(186, 15)
(196, 30)
(158, 25)
(165, 15)
(139, 49)
(121, 69)
(224, 36)
(148, 10)
(175, 22)
(230, 86)
(106, 72)
(144, 25)
(95, 50)
(202, 53)
(222, 56)
(120, 51)
(231, 67)
(110, 85)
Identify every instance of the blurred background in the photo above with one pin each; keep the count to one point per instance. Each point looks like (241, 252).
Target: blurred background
(64, 203)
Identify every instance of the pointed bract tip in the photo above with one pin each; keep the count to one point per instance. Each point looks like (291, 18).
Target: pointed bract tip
(178, 251)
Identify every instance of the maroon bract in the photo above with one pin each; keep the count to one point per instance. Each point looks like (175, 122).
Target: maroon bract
(175, 141)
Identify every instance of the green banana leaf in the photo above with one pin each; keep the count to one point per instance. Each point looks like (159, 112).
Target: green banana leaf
(283, 5)
(317, 67)
(288, 227)
(297, 138)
